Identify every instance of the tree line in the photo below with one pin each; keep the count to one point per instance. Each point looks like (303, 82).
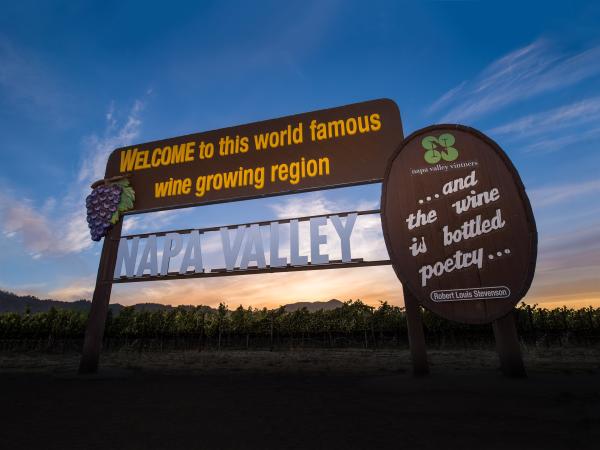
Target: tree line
(354, 324)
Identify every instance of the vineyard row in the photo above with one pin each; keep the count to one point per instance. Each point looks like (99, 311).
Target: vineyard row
(354, 324)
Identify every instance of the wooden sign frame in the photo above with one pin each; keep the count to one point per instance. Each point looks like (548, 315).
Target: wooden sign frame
(362, 160)
(351, 143)
(378, 170)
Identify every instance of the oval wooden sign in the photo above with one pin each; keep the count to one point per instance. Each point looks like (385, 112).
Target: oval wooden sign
(458, 224)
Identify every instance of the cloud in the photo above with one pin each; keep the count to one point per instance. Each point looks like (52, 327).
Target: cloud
(446, 98)
(568, 267)
(40, 234)
(568, 260)
(540, 132)
(579, 247)
(81, 288)
(574, 114)
(317, 203)
(521, 74)
(154, 221)
(367, 236)
(58, 228)
(100, 147)
(555, 194)
(572, 287)
(555, 143)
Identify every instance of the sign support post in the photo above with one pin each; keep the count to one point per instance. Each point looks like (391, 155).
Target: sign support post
(99, 310)
(416, 336)
(507, 345)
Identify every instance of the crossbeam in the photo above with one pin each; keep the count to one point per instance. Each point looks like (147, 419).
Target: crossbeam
(261, 223)
(335, 264)
(220, 272)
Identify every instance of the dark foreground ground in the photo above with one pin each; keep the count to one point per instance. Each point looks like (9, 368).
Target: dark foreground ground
(310, 399)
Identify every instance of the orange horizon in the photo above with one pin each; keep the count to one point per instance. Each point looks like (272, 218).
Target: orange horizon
(130, 300)
(370, 285)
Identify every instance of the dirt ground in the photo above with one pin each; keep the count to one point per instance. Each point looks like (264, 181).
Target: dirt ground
(309, 399)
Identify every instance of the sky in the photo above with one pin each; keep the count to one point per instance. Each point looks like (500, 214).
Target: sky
(79, 79)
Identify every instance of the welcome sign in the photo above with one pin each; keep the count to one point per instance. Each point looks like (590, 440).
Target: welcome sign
(328, 148)
(458, 225)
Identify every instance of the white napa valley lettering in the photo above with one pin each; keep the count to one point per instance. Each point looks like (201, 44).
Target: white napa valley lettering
(251, 249)
(473, 228)
(127, 256)
(243, 244)
(460, 260)
(192, 256)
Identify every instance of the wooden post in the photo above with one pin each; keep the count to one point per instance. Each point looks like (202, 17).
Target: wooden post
(416, 336)
(97, 318)
(507, 345)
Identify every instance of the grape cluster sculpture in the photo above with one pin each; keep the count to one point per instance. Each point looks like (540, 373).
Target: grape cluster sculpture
(106, 203)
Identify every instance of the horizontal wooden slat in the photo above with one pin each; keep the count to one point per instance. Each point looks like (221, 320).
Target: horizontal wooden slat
(335, 264)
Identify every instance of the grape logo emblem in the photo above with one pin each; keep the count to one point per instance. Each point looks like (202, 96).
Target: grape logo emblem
(106, 202)
(439, 148)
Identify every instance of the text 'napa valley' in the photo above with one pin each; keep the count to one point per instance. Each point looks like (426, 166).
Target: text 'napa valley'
(241, 247)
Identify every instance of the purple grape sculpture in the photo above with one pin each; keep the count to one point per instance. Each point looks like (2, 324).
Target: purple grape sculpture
(105, 204)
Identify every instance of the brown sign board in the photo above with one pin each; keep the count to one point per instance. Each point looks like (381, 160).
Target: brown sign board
(334, 147)
(458, 224)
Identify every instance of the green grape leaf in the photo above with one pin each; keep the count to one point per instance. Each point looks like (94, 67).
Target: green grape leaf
(123, 183)
(125, 203)
(121, 206)
(115, 218)
(127, 196)
(129, 192)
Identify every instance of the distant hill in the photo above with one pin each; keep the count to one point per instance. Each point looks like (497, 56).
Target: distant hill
(10, 302)
(313, 306)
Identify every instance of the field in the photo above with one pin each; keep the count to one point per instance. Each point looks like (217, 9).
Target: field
(310, 398)
(554, 360)
(196, 377)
